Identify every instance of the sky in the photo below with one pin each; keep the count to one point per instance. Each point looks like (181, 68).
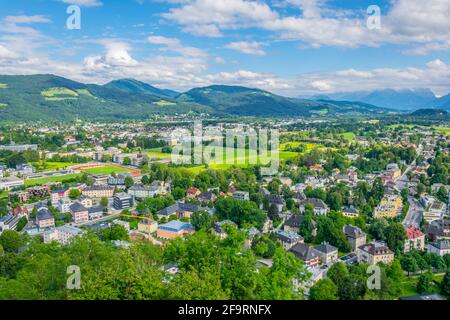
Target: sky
(289, 47)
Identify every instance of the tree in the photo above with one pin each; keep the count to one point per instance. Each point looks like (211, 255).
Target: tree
(10, 240)
(306, 228)
(273, 213)
(74, 193)
(409, 264)
(21, 224)
(129, 182)
(425, 283)
(395, 236)
(353, 287)
(337, 273)
(178, 193)
(324, 289)
(33, 213)
(116, 232)
(126, 161)
(445, 285)
(104, 202)
(201, 220)
(442, 194)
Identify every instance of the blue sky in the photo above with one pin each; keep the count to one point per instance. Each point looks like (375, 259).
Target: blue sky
(291, 47)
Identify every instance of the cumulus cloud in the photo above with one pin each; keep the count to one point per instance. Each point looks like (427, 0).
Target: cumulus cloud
(173, 44)
(424, 24)
(246, 47)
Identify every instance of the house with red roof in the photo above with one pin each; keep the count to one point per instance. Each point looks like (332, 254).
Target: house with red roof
(415, 239)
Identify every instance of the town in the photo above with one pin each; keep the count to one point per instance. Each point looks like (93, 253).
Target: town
(348, 194)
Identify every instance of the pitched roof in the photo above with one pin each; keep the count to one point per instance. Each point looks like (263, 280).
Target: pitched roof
(325, 248)
(43, 214)
(180, 206)
(77, 207)
(353, 232)
(294, 221)
(376, 248)
(304, 252)
(413, 233)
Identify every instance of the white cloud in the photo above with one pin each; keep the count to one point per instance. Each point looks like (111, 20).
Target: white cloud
(321, 85)
(424, 24)
(253, 47)
(84, 3)
(173, 44)
(219, 60)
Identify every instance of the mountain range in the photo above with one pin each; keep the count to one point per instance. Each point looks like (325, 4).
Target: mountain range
(50, 97)
(404, 100)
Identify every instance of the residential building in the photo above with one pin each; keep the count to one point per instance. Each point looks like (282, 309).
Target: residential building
(218, 229)
(8, 183)
(62, 234)
(278, 201)
(415, 239)
(374, 253)
(350, 212)
(328, 253)
(192, 193)
(309, 255)
(63, 204)
(122, 201)
(44, 219)
(58, 194)
(85, 201)
(181, 209)
(441, 247)
(435, 211)
(355, 236)
(147, 226)
(19, 147)
(207, 197)
(319, 207)
(439, 230)
(241, 195)
(80, 214)
(98, 191)
(389, 207)
(174, 229)
(9, 222)
(95, 212)
(289, 238)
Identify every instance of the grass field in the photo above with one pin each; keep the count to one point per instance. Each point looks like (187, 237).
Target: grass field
(38, 181)
(3, 86)
(445, 130)
(410, 284)
(3, 195)
(156, 153)
(348, 136)
(51, 166)
(59, 94)
(107, 170)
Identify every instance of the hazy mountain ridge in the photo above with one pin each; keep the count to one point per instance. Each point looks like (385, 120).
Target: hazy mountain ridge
(404, 100)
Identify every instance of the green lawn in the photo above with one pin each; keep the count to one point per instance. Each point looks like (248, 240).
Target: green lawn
(410, 284)
(3, 194)
(39, 181)
(156, 153)
(51, 166)
(348, 136)
(107, 170)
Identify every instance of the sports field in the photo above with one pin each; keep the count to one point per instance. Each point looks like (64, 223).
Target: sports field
(105, 169)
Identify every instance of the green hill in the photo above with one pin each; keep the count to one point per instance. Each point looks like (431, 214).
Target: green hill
(49, 97)
(134, 86)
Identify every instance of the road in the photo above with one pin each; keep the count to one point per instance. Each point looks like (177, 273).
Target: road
(414, 215)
